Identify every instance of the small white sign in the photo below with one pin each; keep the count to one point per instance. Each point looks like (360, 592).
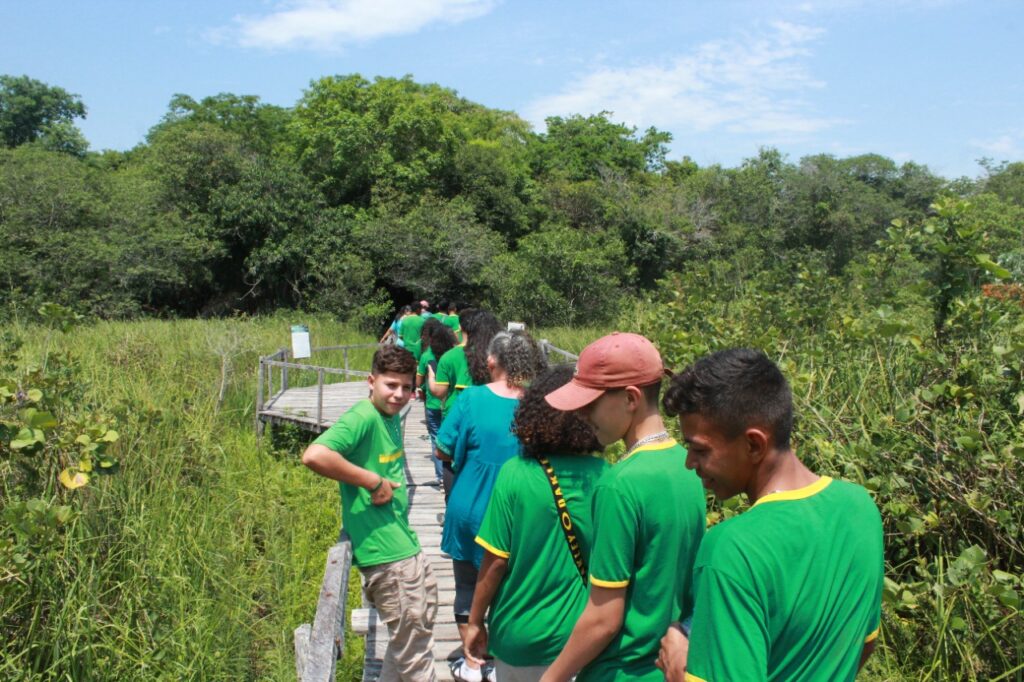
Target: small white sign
(300, 341)
(516, 327)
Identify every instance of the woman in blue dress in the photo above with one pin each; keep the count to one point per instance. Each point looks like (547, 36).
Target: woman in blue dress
(477, 437)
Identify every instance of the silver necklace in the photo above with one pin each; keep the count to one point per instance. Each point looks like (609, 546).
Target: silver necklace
(644, 441)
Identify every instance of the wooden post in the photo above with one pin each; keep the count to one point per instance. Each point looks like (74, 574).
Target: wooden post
(345, 353)
(302, 648)
(259, 397)
(327, 637)
(319, 397)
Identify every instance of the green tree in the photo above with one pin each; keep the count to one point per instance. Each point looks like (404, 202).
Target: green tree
(31, 110)
(579, 147)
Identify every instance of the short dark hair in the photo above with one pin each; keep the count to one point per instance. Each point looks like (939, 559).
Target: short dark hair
(542, 429)
(735, 389)
(393, 359)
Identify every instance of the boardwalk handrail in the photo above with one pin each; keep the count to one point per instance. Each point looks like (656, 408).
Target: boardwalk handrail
(265, 394)
(318, 646)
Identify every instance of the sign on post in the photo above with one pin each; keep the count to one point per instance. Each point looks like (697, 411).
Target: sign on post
(300, 341)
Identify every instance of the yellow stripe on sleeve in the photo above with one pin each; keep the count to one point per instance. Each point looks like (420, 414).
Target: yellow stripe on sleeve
(491, 548)
(440, 383)
(609, 583)
(872, 637)
(693, 678)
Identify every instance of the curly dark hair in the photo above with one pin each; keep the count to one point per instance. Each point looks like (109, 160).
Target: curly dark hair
(481, 326)
(542, 429)
(437, 337)
(393, 359)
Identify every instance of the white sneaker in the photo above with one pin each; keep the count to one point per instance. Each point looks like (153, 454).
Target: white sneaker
(463, 673)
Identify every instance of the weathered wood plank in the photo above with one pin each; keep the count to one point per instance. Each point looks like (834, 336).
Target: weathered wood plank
(327, 635)
(302, 648)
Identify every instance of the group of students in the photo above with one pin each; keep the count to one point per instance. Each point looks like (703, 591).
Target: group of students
(568, 566)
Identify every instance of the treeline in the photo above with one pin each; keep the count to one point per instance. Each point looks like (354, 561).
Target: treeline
(368, 194)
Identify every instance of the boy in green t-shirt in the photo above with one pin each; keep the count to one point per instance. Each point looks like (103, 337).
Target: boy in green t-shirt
(791, 589)
(363, 452)
(649, 517)
(410, 327)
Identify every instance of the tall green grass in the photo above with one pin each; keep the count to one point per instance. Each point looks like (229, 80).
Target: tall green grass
(199, 558)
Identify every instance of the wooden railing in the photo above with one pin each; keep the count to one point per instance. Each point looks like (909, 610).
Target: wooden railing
(281, 361)
(319, 646)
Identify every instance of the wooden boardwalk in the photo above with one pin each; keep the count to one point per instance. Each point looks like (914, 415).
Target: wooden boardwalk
(300, 406)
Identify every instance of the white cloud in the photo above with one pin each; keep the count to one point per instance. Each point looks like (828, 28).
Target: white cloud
(332, 24)
(751, 84)
(1008, 146)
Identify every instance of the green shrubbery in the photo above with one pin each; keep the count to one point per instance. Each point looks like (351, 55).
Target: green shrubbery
(909, 383)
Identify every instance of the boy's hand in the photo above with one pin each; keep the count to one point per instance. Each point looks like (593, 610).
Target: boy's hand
(476, 641)
(385, 492)
(674, 650)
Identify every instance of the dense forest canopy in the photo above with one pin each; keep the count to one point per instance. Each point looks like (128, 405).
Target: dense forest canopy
(367, 194)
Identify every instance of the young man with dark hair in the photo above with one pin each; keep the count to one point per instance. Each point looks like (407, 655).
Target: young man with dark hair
(410, 328)
(649, 517)
(791, 589)
(363, 452)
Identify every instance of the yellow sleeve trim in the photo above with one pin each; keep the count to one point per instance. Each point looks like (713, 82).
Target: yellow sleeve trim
(463, 386)
(491, 548)
(440, 383)
(693, 678)
(872, 637)
(799, 493)
(609, 583)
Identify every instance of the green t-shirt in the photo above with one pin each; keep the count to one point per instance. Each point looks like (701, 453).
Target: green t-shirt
(790, 589)
(542, 595)
(649, 518)
(453, 372)
(452, 321)
(365, 437)
(409, 329)
(432, 401)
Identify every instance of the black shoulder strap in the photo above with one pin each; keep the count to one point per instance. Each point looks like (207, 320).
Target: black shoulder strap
(565, 521)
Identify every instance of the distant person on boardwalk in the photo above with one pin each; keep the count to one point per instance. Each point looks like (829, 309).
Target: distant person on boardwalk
(536, 542)
(649, 517)
(452, 319)
(455, 372)
(363, 451)
(435, 340)
(392, 334)
(409, 330)
(790, 589)
(477, 437)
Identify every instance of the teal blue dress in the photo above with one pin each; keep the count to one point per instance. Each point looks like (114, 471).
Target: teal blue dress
(477, 435)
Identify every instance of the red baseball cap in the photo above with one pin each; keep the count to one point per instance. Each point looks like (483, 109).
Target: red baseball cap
(614, 361)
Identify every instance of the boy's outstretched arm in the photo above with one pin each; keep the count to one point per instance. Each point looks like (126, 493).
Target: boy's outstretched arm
(332, 465)
(600, 621)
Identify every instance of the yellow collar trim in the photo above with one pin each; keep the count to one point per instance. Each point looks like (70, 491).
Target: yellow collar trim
(799, 493)
(661, 445)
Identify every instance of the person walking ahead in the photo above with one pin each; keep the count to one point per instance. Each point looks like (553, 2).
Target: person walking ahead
(536, 542)
(649, 517)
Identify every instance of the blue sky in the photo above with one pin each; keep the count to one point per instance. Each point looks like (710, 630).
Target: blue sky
(938, 82)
